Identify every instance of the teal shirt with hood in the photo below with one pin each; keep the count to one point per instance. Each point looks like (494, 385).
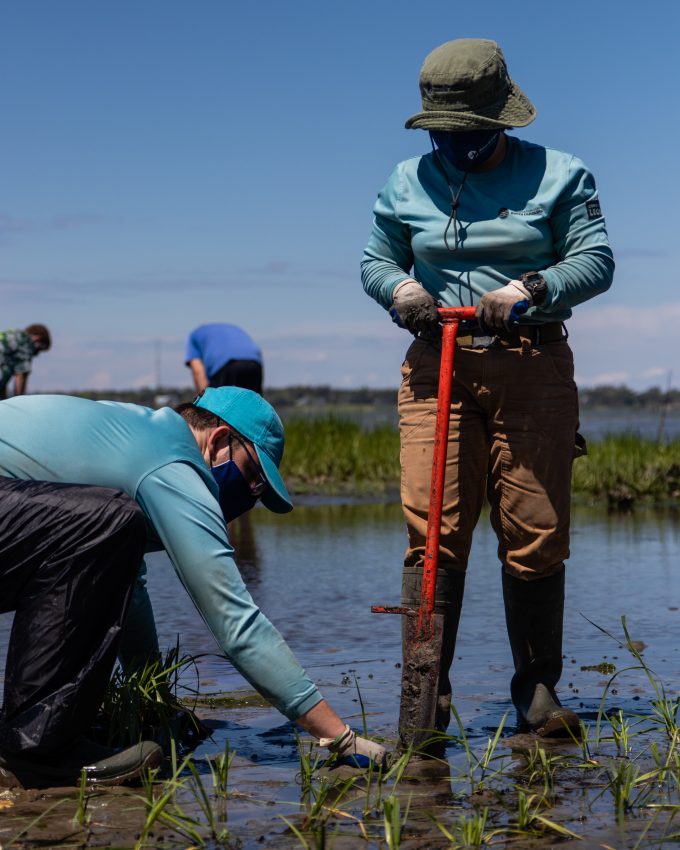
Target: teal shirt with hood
(538, 210)
(153, 456)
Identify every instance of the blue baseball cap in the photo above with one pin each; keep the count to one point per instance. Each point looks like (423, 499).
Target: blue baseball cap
(256, 420)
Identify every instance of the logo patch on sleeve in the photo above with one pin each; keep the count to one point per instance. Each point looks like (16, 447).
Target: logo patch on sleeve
(593, 209)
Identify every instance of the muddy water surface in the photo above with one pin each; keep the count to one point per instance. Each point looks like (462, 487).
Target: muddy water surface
(315, 573)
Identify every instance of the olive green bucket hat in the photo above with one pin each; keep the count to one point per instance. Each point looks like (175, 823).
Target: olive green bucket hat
(465, 85)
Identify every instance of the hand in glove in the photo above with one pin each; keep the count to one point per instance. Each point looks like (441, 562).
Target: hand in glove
(354, 750)
(502, 307)
(414, 308)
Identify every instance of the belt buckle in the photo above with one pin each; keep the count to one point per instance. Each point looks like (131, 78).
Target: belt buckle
(485, 341)
(479, 338)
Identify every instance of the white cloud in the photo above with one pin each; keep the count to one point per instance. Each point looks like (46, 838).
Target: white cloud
(605, 378)
(619, 344)
(655, 372)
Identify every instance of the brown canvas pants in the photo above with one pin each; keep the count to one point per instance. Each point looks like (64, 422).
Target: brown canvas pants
(514, 416)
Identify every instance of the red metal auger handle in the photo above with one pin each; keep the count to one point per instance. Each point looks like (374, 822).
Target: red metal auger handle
(451, 318)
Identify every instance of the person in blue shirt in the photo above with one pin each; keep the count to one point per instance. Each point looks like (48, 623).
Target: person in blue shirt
(516, 230)
(75, 476)
(223, 355)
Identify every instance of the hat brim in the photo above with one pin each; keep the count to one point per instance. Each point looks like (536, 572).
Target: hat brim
(276, 497)
(516, 111)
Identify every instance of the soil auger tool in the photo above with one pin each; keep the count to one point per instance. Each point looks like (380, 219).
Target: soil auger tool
(423, 626)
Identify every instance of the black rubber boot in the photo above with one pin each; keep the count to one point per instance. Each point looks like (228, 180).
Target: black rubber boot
(102, 765)
(534, 613)
(448, 601)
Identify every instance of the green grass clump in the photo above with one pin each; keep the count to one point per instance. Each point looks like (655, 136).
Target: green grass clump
(143, 703)
(620, 463)
(336, 453)
(332, 454)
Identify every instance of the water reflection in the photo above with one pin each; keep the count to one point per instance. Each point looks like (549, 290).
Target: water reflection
(242, 538)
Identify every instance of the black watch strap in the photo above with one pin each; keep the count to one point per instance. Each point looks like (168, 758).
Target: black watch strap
(536, 286)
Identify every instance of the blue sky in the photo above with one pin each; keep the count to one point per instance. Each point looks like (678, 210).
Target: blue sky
(167, 163)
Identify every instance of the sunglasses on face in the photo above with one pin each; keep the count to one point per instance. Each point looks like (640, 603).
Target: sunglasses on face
(260, 482)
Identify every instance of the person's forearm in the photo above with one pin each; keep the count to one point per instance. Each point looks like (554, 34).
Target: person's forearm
(199, 374)
(196, 543)
(190, 525)
(579, 278)
(321, 721)
(20, 384)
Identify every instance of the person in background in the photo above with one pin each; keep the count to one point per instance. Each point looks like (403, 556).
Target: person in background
(17, 350)
(516, 229)
(87, 485)
(222, 355)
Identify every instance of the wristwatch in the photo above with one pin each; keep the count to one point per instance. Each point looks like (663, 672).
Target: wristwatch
(535, 285)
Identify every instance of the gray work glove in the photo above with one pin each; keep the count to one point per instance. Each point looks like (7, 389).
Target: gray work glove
(355, 751)
(414, 308)
(501, 308)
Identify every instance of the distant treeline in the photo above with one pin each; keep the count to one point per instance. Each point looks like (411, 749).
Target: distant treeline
(652, 398)
(325, 397)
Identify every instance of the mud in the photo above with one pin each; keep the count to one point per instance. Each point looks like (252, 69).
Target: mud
(419, 682)
(619, 566)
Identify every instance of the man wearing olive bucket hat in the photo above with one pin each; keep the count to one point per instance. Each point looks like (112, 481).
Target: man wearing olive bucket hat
(515, 229)
(87, 487)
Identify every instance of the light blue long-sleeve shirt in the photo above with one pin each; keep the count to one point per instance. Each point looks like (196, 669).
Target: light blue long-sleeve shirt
(153, 457)
(538, 210)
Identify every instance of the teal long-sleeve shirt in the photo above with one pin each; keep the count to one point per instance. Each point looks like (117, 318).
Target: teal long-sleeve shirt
(153, 457)
(537, 211)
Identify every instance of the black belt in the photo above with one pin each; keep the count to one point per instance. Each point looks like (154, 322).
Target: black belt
(477, 337)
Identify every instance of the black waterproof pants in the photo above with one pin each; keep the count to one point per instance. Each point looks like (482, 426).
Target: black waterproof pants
(68, 558)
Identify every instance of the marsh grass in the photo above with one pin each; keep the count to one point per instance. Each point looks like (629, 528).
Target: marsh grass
(335, 454)
(664, 709)
(82, 817)
(478, 767)
(309, 759)
(530, 820)
(393, 821)
(145, 703)
(468, 831)
(622, 732)
(650, 469)
(220, 766)
(199, 821)
(627, 763)
(541, 767)
(625, 767)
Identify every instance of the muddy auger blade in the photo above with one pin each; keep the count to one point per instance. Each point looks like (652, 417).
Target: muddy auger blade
(423, 628)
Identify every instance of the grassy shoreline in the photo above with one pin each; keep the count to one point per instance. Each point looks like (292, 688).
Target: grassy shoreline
(336, 456)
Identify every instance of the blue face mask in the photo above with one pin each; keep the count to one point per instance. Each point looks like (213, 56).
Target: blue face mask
(235, 496)
(466, 150)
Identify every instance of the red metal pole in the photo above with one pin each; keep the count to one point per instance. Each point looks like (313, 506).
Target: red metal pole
(450, 317)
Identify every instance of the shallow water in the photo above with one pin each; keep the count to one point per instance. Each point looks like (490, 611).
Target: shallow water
(317, 571)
